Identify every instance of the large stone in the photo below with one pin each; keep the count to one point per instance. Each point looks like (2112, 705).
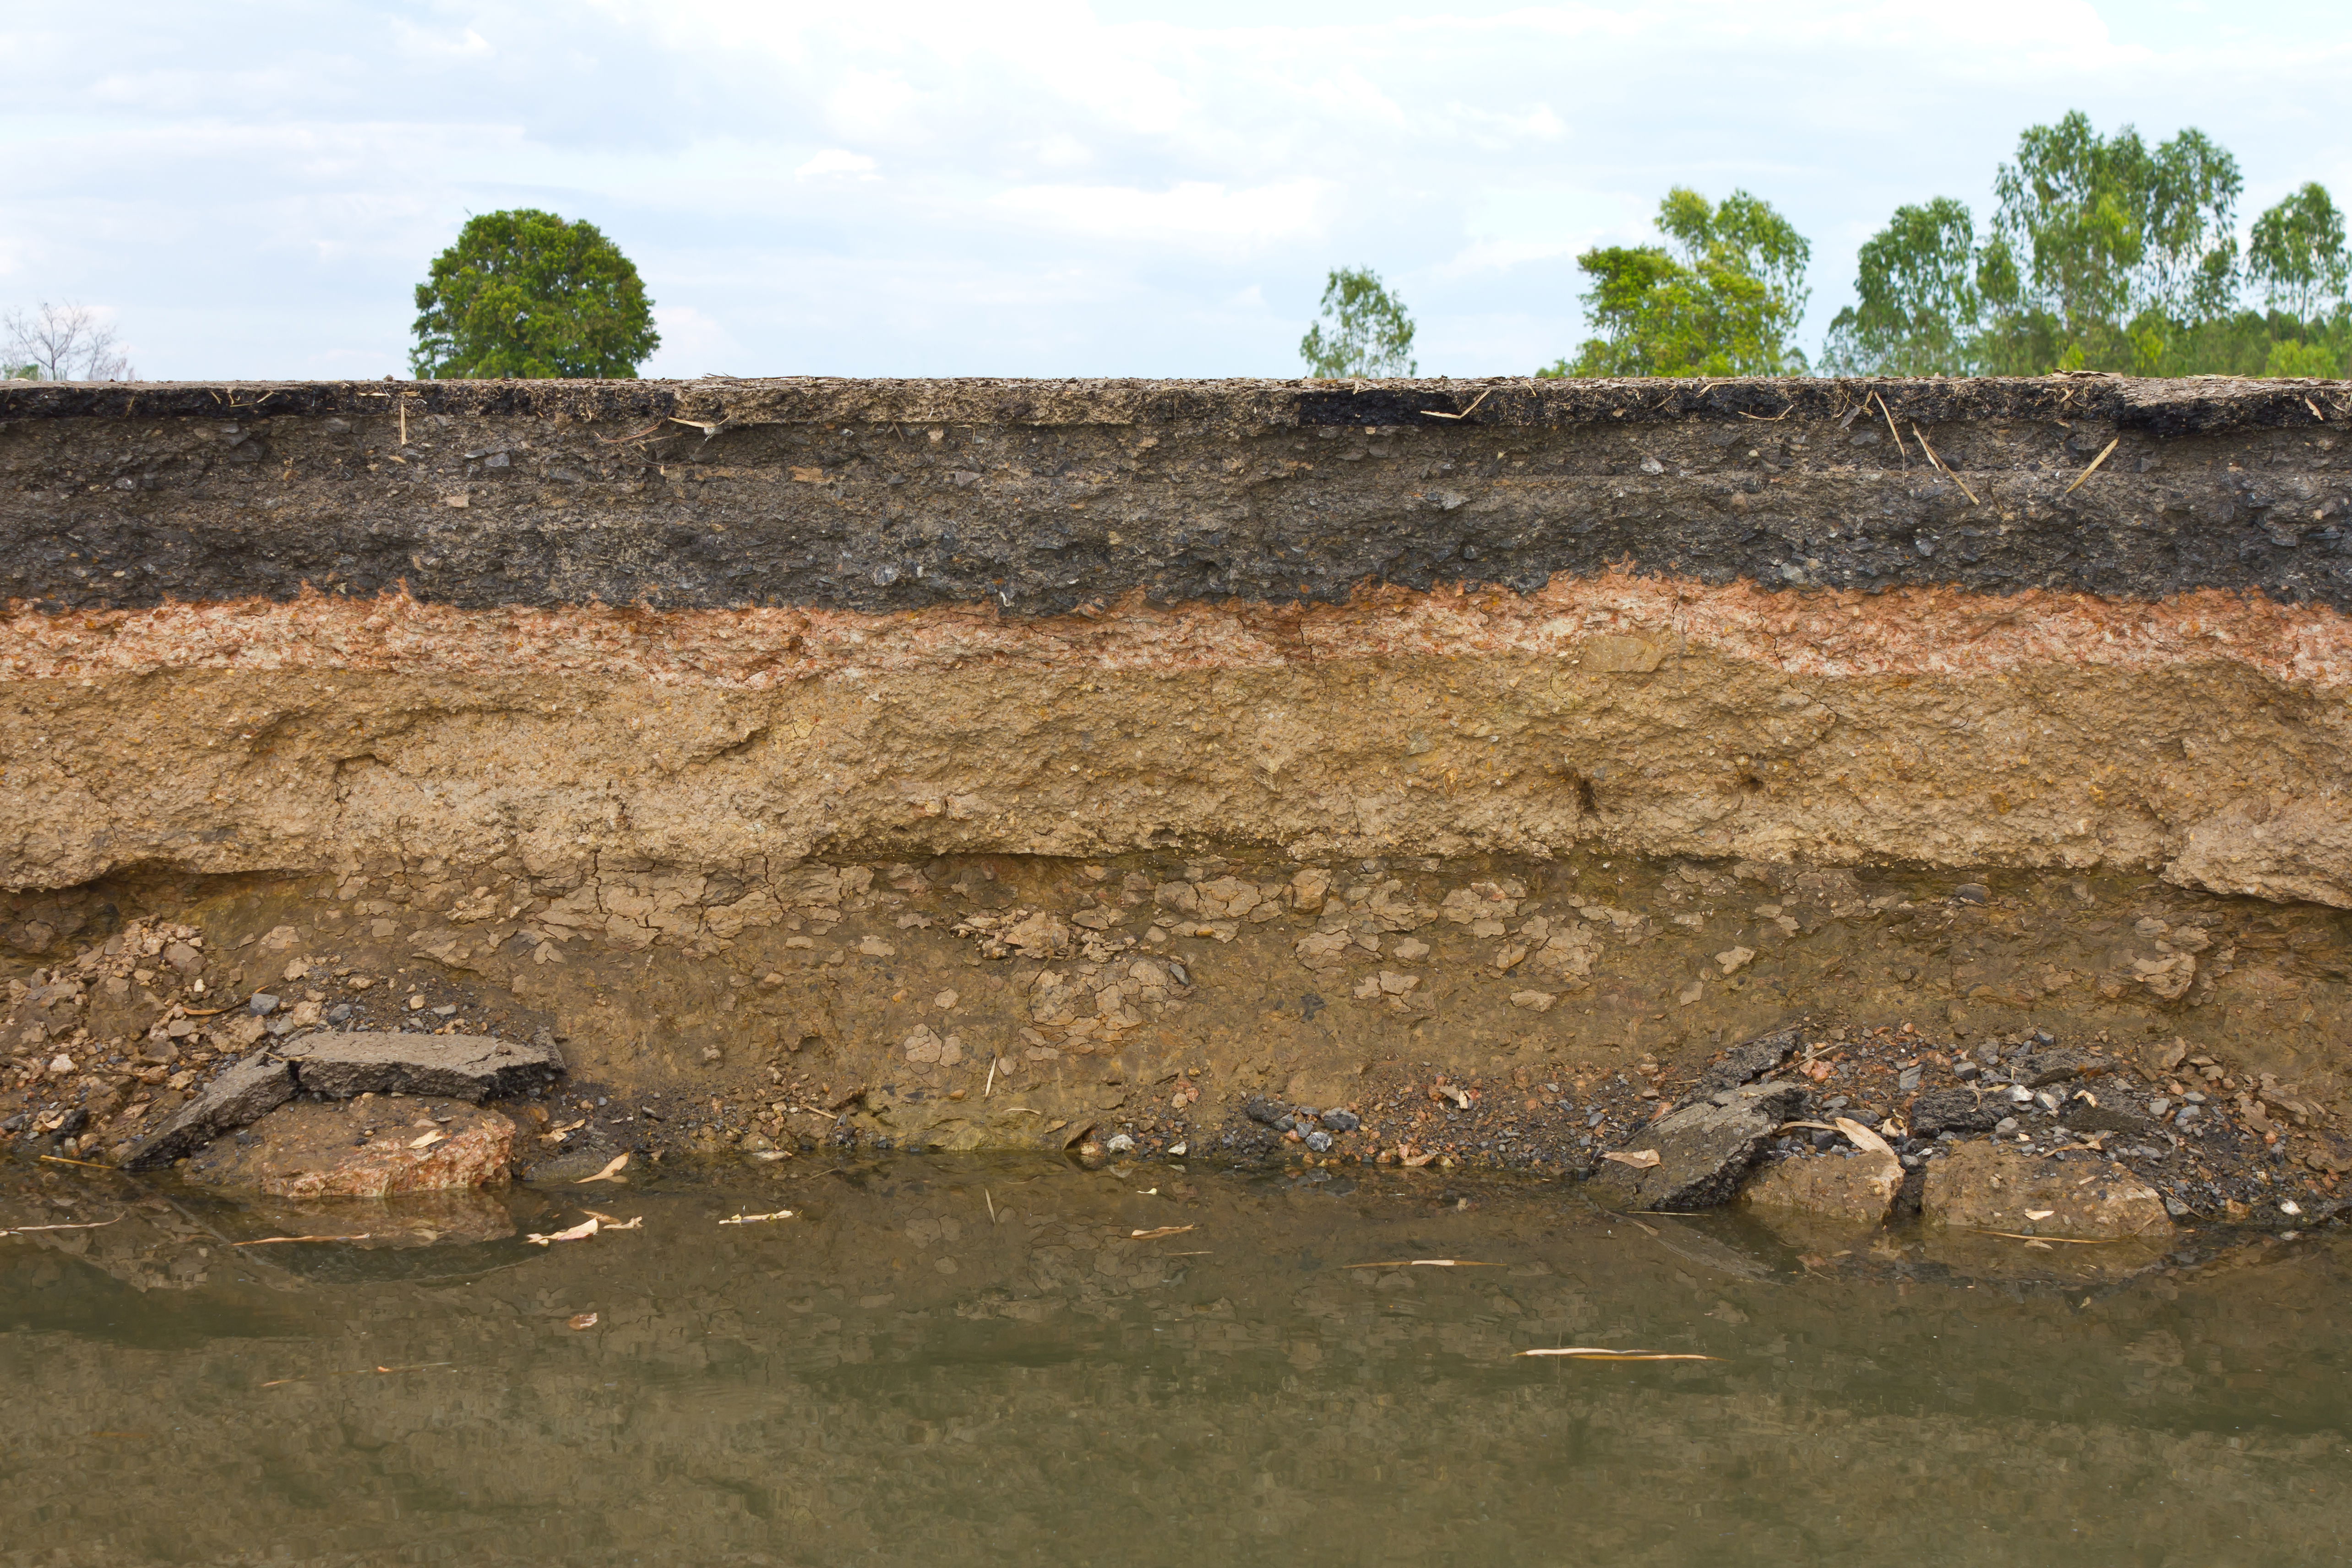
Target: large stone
(1984, 1186)
(253, 1087)
(372, 1149)
(1704, 1151)
(465, 1067)
(1859, 1187)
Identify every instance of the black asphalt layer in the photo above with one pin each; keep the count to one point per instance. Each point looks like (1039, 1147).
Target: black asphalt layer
(1039, 497)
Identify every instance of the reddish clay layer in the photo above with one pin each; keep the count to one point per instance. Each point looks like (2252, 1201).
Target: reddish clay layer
(1911, 631)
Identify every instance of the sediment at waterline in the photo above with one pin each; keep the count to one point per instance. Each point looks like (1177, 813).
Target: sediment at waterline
(1526, 1016)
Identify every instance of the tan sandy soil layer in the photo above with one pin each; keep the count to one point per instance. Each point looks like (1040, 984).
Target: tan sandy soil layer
(614, 756)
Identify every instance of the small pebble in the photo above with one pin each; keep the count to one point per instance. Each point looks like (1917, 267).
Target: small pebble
(2159, 1107)
(1119, 1143)
(262, 1004)
(1319, 1141)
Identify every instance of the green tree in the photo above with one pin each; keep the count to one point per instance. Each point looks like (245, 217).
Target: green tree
(2291, 357)
(1918, 300)
(1725, 300)
(523, 293)
(2297, 256)
(2103, 246)
(2105, 254)
(1363, 330)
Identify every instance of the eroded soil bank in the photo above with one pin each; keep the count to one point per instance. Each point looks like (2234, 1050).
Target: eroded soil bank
(1033, 765)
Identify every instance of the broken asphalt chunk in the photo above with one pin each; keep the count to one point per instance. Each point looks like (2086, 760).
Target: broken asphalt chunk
(462, 1067)
(1704, 1151)
(252, 1088)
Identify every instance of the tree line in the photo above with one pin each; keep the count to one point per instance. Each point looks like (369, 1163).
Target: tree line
(2102, 253)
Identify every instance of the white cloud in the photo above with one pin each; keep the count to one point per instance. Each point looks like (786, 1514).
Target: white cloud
(835, 164)
(1192, 213)
(693, 345)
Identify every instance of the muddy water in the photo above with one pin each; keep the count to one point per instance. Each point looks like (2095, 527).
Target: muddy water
(954, 1361)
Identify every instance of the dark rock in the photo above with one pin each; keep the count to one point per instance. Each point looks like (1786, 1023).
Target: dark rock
(2057, 1066)
(253, 1087)
(1704, 1150)
(1972, 893)
(462, 1067)
(262, 1003)
(2082, 1116)
(1320, 1143)
(1954, 1110)
(1342, 1121)
(1263, 1112)
(1747, 1062)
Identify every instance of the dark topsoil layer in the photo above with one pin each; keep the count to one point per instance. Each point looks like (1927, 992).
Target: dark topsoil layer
(1038, 497)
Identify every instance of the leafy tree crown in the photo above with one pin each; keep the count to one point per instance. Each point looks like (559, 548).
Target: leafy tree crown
(524, 293)
(2108, 228)
(1363, 330)
(2297, 256)
(1724, 300)
(2106, 253)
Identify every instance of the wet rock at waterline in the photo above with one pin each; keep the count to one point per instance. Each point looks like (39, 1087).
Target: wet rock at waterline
(1983, 1186)
(1860, 1187)
(371, 1147)
(1701, 1152)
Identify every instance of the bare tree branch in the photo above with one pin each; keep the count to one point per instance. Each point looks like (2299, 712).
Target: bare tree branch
(63, 343)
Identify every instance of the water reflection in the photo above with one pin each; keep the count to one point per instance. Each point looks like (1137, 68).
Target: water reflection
(979, 1361)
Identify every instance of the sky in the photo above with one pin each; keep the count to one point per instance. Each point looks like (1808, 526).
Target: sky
(253, 188)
